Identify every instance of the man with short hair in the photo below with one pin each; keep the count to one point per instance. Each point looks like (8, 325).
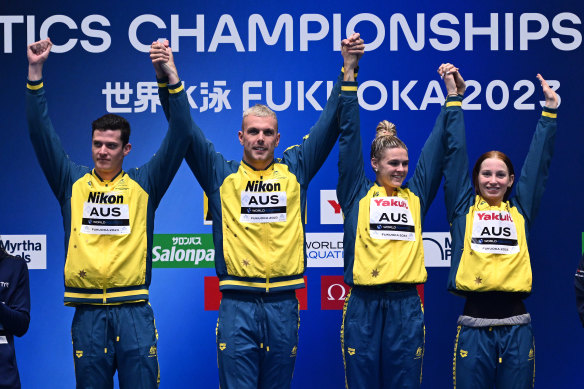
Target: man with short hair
(258, 208)
(108, 216)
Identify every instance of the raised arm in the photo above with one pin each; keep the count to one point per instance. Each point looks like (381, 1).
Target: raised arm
(164, 164)
(200, 155)
(351, 162)
(37, 53)
(535, 169)
(430, 167)
(161, 56)
(47, 145)
(457, 186)
(317, 145)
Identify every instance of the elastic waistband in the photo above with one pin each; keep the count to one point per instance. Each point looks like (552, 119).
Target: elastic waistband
(387, 290)
(251, 296)
(494, 305)
(97, 307)
(391, 287)
(477, 322)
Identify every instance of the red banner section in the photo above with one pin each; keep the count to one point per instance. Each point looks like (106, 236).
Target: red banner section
(333, 291)
(213, 295)
(421, 292)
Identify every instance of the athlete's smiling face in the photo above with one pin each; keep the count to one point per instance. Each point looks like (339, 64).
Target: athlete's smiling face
(108, 152)
(392, 168)
(494, 180)
(259, 137)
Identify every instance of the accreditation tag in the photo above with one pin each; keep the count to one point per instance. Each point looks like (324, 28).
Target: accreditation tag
(106, 214)
(263, 207)
(390, 218)
(494, 232)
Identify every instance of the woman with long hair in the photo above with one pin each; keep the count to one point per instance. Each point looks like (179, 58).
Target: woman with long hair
(490, 264)
(382, 334)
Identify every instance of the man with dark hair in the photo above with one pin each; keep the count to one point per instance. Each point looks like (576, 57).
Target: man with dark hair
(258, 207)
(113, 122)
(108, 215)
(14, 314)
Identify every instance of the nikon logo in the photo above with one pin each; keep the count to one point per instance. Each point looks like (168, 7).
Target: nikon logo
(104, 198)
(260, 186)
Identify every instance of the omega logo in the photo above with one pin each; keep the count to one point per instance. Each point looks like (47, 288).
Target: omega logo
(342, 290)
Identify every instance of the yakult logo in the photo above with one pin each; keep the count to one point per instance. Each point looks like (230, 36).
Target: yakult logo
(330, 209)
(506, 217)
(393, 202)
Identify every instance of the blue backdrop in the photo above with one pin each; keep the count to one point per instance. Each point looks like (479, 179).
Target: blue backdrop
(239, 53)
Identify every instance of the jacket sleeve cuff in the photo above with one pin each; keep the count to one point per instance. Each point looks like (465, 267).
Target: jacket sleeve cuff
(34, 85)
(550, 112)
(349, 88)
(162, 82)
(175, 88)
(453, 102)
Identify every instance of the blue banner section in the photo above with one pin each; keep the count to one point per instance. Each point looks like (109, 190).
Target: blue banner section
(232, 55)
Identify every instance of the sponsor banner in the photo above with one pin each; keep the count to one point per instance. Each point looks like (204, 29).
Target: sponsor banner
(437, 249)
(31, 248)
(213, 295)
(333, 291)
(183, 251)
(330, 209)
(324, 249)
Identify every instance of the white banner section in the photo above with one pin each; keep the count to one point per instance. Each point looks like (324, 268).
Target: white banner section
(326, 249)
(31, 248)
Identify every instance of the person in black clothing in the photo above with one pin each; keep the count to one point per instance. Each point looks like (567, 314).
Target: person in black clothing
(579, 286)
(14, 314)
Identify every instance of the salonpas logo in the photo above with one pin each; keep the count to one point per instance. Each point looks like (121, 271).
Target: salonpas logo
(184, 250)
